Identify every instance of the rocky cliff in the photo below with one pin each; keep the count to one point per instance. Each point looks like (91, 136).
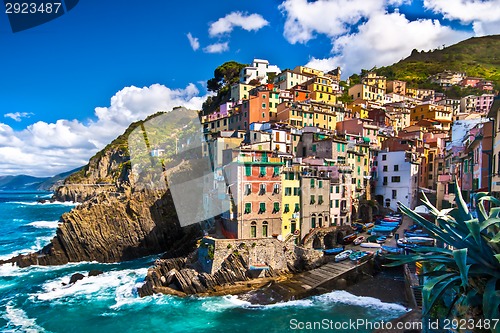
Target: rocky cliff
(115, 221)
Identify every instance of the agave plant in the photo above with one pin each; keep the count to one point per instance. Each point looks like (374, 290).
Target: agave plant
(469, 269)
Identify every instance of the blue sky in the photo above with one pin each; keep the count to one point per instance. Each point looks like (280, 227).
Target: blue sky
(71, 85)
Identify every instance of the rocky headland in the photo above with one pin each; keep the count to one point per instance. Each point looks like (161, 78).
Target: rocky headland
(114, 221)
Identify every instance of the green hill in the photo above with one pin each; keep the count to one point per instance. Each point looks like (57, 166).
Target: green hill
(477, 56)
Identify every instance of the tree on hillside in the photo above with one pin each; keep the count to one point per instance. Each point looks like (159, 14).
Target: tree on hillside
(225, 75)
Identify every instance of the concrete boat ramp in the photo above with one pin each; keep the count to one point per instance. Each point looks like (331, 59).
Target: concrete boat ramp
(318, 281)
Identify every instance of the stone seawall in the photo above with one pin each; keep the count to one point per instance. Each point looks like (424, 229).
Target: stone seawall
(218, 264)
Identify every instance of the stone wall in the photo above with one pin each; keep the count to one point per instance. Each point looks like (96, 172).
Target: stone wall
(270, 251)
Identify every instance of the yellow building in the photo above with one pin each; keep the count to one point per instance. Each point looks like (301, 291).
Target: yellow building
(240, 91)
(429, 111)
(368, 93)
(359, 108)
(374, 80)
(308, 70)
(321, 88)
(290, 200)
(302, 114)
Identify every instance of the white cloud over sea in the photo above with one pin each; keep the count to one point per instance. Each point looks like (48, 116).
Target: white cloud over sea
(43, 149)
(368, 33)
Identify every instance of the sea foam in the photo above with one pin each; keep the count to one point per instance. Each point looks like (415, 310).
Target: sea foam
(18, 321)
(44, 224)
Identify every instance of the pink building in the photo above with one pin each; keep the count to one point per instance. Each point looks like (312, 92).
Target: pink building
(361, 127)
(484, 103)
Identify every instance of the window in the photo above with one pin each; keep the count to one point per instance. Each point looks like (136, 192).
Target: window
(312, 182)
(248, 189)
(337, 202)
(312, 201)
(276, 188)
(263, 106)
(297, 208)
(394, 194)
(276, 171)
(395, 179)
(385, 181)
(248, 170)
(331, 203)
(253, 230)
(264, 229)
(384, 168)
(248, 208)
(320, 199)
(288, 191)
(313, 221)
(396, 167)
(263, 96)
(276, 207)
(262, 207)
(287, 208)
(262, 189)
(320, 184)
(262, 171)
(337, 189)
(384, 157)
(314, 148)
(296, 191)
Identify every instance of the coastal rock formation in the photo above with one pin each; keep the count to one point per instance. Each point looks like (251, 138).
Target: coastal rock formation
(115, 221)
(219, 265)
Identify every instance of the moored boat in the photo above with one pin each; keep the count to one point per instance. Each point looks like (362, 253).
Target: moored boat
(335, 250)
(343, 255)
(370, 245)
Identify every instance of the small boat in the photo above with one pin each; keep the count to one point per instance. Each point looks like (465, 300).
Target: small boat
(415, 241)
(381, 239)
(359, 240)
(370, 245)
(349, 239)
(383, 229)
(391, 249)
(369, 225)
(415, 234)
(357, 227)
(359, 255)
(343, 255)
(335, 250)
(413, 227)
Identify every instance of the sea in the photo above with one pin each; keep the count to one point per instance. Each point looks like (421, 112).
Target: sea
(36, 299)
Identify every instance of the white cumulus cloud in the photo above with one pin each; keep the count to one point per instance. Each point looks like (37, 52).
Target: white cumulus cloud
(193, 41)
(376, 45)
(226, 24)
(216, 48)
(329, 17)
(466, 11)
(17, 116)
(43, 149)
(364, 33)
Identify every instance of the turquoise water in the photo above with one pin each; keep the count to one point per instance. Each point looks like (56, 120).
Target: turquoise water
(35, 300)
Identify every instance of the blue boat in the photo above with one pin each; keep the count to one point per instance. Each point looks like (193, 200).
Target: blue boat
(415, 234)
(391, 249)
(389, 224)
(381, 239)
(334, 251)
(383, 229)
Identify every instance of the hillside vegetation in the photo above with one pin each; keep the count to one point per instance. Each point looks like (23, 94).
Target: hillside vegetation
(478, 56)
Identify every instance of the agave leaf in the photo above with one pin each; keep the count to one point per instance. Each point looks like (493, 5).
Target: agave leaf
(461, 260)
(490, 198)
(489, 222)
(494, 212)
(463, 211)
(491, 300)
(498, 257)
(482, 211)
(435, 287)
(433, 210)
(495, 239)
(474, 228)
(430, 249)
